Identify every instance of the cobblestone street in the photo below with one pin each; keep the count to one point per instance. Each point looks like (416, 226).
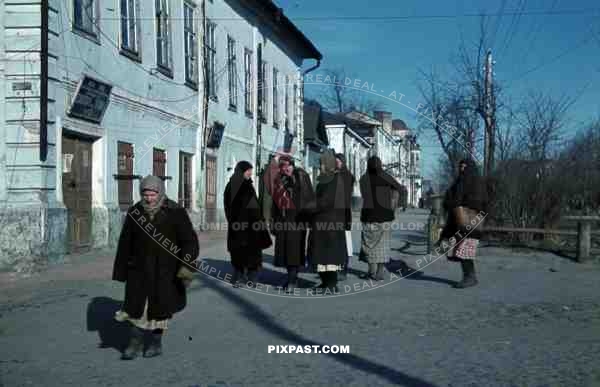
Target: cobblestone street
(534, 320)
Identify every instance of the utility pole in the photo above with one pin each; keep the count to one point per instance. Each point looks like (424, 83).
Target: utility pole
(205, 88)
(489, 110)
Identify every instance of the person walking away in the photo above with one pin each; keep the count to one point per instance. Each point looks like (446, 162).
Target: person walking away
(292, 193)
(327, 240)
(156, 248)
(464, 201)
(349, 181)
(376, 187)
(247, 233)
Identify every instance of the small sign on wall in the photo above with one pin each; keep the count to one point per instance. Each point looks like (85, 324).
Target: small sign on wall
(67, 161)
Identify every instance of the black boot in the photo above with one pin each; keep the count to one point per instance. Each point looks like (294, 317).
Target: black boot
(343, 274)
(469, 278)
(332, 280)
(155, 344)
(380, 273)
(372, 274)
(292, 279)
(323, 284)
(252, 278)
(237, 278)
(136, 344)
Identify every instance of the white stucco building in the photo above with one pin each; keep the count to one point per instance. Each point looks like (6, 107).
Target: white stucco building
(94, 96)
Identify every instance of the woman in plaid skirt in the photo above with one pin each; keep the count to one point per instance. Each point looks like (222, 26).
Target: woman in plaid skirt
(464, 203)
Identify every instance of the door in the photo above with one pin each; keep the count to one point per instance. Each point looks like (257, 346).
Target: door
(211, 189)
(125, 172)
(77, 189)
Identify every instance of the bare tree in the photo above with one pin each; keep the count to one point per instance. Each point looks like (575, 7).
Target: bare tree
(542, 117)
(340, 97)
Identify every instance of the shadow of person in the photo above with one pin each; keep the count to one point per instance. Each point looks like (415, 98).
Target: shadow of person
(222, 270)
(100, 318)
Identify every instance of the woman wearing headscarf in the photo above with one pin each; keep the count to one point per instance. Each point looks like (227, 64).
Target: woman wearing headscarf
(464, 202)
(327, 240)
(349, 181)
(154, 258)
(247, 234)
(376, 188)
(292, 196)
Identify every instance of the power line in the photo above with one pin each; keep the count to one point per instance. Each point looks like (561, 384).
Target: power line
(580, 11)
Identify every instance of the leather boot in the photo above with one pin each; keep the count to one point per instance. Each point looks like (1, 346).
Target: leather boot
(469, 278)
(292, 279)
(252, 278)
(136, 344)
(380, 272)
(372, 274)
(155, 344)
(236, 278)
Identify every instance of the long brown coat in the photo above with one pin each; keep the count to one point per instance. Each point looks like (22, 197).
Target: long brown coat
(148, 257)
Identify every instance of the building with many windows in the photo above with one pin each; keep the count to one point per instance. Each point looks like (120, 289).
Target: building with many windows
(93, 96)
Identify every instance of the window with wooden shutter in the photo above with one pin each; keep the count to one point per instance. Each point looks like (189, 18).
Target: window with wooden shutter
(124, 174)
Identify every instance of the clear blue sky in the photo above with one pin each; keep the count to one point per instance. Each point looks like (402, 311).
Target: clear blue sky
(556, 53)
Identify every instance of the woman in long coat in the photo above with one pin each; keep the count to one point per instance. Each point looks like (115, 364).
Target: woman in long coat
(292, 193)
(247, 234)
(156, 248)
(468, 194)
(327, 240)
(377, 190)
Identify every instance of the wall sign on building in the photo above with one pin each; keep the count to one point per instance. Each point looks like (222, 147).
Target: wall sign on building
(91, 100)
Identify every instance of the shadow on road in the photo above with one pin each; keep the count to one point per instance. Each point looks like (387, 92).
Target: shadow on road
(100, 318)
(265, 276)
(256, 315)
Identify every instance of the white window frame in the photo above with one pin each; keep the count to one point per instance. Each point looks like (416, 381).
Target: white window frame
(276, 113)
(86, 25)
(190, 48)
(248, 82)
(130, 24)
(211, 52)
(263, 85)
(164, 45)
(232, 72)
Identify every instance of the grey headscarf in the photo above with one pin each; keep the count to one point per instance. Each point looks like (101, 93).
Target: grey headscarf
(156, 184)
(328, 167)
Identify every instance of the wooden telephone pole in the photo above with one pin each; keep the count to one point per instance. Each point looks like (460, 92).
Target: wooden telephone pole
(489, 109)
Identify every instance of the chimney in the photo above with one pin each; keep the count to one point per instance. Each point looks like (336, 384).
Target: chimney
(385, 118)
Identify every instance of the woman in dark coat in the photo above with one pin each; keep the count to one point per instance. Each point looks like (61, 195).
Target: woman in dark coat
(247, 234)
(327, 240)
(468, 192)
(292, 193)
(349, 181)
(156, 248)
(377, 190)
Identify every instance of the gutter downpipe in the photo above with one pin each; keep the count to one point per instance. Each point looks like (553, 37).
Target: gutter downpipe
(306, 145)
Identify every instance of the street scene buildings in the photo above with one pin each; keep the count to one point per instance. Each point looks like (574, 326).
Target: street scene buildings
(93, 98)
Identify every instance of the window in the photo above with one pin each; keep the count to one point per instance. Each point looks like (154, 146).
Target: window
(211, 57)
(130, 33)
(295, 111)
(163, 37)
(191, 57)
(85, 16)
(159, 163)
(275, 98)
(232, 73)
(248, 81)
(125, 172)
(264, 92)
(185, 180)
(286, 103)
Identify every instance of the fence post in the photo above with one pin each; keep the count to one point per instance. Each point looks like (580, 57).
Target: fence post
(584, 228)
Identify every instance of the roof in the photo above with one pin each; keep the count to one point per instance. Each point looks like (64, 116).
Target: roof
(283, 25)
